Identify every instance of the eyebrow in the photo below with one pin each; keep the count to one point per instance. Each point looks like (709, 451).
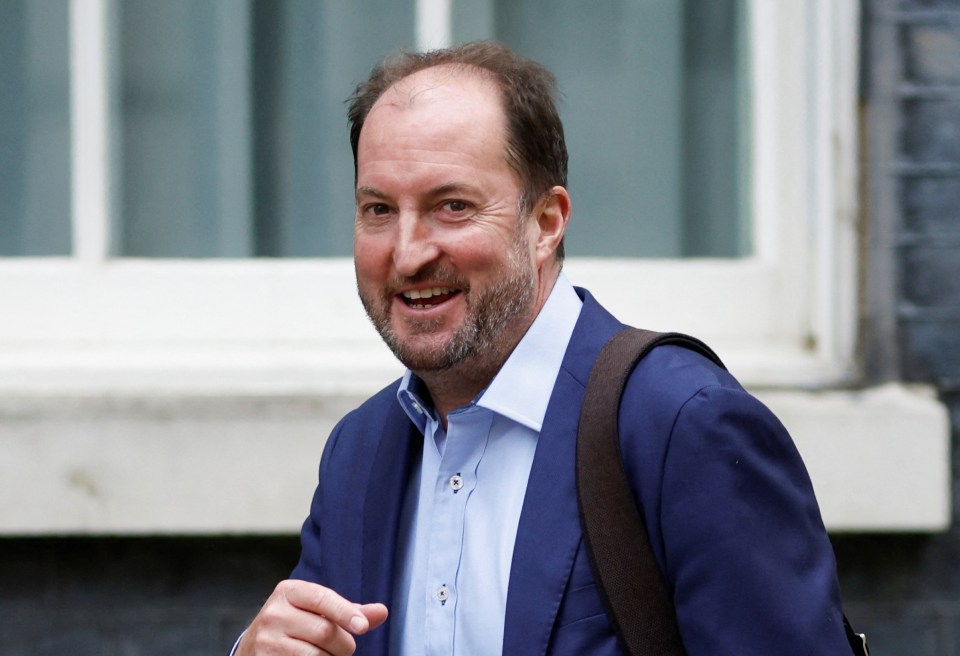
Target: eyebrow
(370, 191)
(452, 187)
(439, 190)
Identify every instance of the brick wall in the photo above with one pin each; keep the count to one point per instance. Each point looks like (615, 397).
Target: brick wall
(134, 596)
(904, 591)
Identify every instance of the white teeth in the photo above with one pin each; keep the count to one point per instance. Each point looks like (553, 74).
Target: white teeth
(414, 294)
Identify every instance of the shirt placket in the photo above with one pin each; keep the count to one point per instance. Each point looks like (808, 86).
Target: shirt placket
(467, 432)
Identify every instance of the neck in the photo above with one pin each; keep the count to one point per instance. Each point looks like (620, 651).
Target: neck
(457, 386)
(454, 388)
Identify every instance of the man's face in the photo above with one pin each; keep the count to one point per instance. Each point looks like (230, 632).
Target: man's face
(445, 265)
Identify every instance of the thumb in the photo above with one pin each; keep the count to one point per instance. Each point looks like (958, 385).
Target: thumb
(376, 615)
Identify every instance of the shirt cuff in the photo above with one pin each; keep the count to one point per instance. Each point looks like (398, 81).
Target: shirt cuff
(236, 644)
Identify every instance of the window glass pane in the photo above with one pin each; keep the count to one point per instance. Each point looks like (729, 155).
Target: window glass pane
(715, 182)
(234, 138)
(34, 128)
(654, 107)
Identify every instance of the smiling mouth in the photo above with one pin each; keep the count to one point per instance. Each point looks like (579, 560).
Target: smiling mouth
(424, 299)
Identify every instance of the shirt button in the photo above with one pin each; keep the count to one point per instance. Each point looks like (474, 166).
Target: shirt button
(442, 594)
(416, 407)
(456, 482)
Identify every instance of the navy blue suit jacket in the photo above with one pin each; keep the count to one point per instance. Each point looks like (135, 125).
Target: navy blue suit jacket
(728, 504)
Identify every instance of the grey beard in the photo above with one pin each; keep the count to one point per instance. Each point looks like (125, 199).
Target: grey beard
(489, 315)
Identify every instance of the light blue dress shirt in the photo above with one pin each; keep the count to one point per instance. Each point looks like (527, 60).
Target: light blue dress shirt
(463, 505)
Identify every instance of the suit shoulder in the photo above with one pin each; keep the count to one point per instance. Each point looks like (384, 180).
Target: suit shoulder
(377, 404)
(676, 373)
(668, 382)
(366, 421)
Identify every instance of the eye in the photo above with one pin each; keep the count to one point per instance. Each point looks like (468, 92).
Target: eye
(455, 209)
(376, 210)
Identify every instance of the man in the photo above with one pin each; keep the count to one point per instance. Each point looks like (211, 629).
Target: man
(449, 497)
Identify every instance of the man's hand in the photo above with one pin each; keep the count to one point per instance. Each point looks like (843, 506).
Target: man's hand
(306, 619)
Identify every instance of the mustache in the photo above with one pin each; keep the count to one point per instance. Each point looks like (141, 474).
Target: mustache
(433, 273)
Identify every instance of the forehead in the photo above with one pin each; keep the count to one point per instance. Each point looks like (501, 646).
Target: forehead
(440, 99)
(439, 82)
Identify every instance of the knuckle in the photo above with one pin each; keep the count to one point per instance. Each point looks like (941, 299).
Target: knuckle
(305, 650)
(323, 595)
(263, 644)
(270, 615)
(285, 586)
(328, 603)
(325, 630)
(328, 635)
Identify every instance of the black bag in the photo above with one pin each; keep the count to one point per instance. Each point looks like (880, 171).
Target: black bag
(631, 585)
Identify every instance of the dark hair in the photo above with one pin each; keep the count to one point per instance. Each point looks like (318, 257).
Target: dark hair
(535, 146)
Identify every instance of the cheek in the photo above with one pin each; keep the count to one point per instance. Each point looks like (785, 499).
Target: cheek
(495, 258)
(480, 252)
(371, 258)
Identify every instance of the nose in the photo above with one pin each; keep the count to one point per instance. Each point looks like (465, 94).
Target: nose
(415, 246)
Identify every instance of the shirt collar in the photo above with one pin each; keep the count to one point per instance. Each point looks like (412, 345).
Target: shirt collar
(411, 397)
(521, 389)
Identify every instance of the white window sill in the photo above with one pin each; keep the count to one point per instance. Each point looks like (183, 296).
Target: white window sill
(879, 458)
(205, 458)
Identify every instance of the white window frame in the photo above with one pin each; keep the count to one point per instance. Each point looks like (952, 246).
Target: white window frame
(784, 316)
(193, 395)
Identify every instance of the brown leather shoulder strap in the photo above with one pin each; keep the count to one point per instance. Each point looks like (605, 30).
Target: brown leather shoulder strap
(636, 597)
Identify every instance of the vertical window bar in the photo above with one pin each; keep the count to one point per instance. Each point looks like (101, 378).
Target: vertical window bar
(434, 24)
(834, 76)
(233, 114)
(762, 33)
(90, 120)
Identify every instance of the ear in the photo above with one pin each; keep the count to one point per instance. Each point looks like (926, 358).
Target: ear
(552, 214)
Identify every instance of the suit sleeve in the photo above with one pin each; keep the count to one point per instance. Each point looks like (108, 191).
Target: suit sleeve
(309, 568)
(743, 543)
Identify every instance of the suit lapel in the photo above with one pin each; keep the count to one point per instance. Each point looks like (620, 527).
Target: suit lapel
(385, 493)
(549, 531)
